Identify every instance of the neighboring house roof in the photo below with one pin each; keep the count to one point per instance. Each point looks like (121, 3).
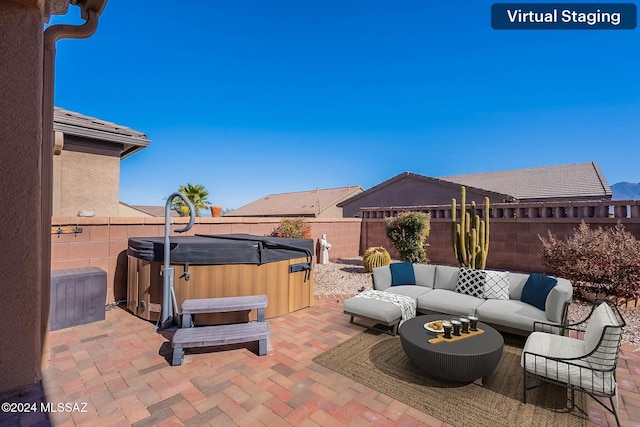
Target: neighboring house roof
(77, 124)
(300, 203)
(425, 178)
(158, 211)
(580, 180)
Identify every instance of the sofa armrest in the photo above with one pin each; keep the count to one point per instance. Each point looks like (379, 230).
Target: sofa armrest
(381, 278)
(558, 300)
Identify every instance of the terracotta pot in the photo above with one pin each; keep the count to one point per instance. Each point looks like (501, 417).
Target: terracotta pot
(216, 211)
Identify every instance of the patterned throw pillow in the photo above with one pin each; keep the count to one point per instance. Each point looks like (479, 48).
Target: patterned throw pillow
(471, 282)
(497, 285)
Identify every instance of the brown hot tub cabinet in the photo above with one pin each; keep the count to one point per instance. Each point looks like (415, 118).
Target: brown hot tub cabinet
(222, 266)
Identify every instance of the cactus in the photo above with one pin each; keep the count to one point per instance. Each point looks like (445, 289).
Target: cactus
(470, 236)
(376, 256)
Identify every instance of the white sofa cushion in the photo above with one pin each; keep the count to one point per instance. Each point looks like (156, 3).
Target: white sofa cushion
(413, 291)
(451, 303)
(381, 277)
(496, 285)
(425, 274)
(516, 284)
(373, 309)
(446, 277)
(511, 313)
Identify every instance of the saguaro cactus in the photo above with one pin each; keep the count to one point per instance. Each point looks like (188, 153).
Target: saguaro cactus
(470, 236)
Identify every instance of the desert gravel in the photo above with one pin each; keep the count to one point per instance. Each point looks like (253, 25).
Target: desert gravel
(345, 277)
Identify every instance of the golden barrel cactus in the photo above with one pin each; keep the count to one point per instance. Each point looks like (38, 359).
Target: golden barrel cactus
(376, 256)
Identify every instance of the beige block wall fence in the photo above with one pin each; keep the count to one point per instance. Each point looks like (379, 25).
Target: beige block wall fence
(103, 241)
(514, 243)
(514, 246)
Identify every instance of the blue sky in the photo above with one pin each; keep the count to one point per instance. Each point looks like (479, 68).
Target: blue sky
(256, 97)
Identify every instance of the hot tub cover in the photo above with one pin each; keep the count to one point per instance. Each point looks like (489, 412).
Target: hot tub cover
(218, 249)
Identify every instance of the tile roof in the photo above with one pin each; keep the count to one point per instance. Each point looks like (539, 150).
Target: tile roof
(424, 178)
(564, 181)
(73, 123)
(300, 203)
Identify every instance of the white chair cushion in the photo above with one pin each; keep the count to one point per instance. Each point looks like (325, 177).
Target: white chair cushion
(605, 355)
(565, 348)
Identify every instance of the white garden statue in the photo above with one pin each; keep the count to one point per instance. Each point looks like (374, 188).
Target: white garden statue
(325, 246)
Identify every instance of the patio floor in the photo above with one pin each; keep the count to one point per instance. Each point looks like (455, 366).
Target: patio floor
(119, 367)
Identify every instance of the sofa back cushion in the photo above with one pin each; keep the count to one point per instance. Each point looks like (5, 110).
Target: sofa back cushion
(446, 277)
(381, 277)
(425, 274)
(516, 284)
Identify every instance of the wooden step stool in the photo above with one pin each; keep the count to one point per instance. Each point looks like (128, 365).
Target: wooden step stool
(205, 336)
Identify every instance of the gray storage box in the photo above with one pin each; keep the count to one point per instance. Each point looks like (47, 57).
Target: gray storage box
(78, 296)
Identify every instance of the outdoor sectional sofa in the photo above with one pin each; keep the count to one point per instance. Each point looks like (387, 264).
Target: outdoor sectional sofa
(445, 290)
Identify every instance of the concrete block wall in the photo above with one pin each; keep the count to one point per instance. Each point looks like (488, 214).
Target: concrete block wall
(514, 243)
(103, 241)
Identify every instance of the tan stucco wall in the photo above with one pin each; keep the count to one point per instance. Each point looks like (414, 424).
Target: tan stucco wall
(22, 239)
(332, 212)
(126, 211)
(87, 181)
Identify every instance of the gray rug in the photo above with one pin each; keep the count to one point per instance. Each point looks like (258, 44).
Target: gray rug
(378, 361)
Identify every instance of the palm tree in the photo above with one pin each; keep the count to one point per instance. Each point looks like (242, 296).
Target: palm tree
(197, 194)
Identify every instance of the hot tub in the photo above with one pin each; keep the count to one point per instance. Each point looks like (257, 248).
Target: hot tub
(213, 266)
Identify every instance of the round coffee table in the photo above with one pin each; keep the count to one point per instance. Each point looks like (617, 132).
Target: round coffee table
(463, 360)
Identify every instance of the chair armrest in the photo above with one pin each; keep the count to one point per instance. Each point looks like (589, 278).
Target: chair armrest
(558, 300)
(557, 328)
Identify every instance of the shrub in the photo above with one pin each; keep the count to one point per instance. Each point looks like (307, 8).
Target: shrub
(599, 260)
(375, 256)
(294, 228)
(408, 232)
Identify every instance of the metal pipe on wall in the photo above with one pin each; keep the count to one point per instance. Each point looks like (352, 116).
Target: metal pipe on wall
(51, 36)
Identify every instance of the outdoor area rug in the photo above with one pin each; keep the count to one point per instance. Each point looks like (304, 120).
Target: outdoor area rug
(378, 361)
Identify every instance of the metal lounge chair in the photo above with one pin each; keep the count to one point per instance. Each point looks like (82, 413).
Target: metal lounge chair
(580, 359)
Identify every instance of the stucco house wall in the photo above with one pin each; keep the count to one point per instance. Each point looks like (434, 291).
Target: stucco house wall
(21, 264)
(89, 178)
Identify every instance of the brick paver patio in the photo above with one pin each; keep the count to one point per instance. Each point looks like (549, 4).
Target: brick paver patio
(120, 368)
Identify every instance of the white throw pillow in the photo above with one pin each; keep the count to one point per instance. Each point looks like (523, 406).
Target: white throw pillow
(471, 282)
(496, 285)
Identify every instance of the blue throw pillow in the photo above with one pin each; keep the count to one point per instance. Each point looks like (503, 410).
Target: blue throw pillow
(402, 274)
(536, 289)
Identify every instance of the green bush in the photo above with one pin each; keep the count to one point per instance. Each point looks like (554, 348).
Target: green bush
(294, 228)
(408, 232)
(598, 260)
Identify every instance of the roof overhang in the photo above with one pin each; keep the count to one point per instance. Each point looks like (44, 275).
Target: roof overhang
(132, 144)
(76, 124)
